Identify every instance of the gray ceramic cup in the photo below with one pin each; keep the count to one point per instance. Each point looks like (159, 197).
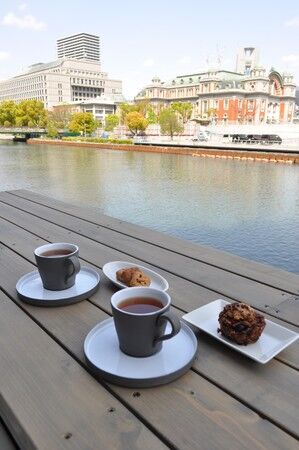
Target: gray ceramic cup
(143, 334)
(58, 265)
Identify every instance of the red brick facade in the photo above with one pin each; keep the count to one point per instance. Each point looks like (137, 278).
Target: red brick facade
(229, 97)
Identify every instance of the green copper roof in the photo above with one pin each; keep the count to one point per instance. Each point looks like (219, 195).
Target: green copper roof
(201, 76)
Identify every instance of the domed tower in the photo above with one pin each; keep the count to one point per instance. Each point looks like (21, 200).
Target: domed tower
(156, 81)
(247, 59)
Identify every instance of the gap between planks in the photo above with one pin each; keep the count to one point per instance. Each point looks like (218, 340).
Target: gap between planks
(233, 395)
(216, 254)
(254, 285)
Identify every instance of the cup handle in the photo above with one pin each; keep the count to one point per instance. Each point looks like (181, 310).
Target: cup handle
(75, 264)
(174, 322)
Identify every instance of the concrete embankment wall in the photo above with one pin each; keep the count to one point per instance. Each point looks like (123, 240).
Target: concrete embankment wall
(199, 152)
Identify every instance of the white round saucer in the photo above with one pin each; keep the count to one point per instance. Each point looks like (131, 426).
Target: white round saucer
(157, 281)
(103, 354)
(31, 290)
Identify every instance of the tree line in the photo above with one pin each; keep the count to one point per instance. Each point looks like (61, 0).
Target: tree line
(136, 117)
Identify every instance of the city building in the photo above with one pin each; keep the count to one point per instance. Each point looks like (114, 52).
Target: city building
(100, 107)
(247, 59)
(79, 46)
(64, 80)
(252, 96)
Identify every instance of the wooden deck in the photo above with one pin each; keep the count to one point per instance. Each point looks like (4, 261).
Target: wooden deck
(50, 400)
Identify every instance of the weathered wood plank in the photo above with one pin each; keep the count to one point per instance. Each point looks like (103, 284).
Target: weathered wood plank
(50, 402)
(17, 238)
(289, 307)
(6, 443)
(224, 283)
(257, 271)
(244, 379)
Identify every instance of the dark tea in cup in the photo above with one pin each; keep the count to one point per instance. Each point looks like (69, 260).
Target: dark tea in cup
(140, 317)
(140, 305)
(58, 252)
(58, 265)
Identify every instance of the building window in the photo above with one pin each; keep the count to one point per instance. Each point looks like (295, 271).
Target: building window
(250, 105)
(225, 103)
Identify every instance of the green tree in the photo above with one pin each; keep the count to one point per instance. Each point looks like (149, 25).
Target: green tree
(83, 122)
(52, 131)
(169, 122)
(124, 109)
(143, 107)
(184, 109)
(151, 116)
(211, 112)
(111, 121)
(135, 121)
(60, 116)
(31, 113)
(7, 113)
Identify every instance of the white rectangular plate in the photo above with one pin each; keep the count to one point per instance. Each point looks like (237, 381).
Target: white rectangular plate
(273, 340)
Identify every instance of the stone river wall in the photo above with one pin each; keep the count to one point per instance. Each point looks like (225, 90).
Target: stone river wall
(241, 155)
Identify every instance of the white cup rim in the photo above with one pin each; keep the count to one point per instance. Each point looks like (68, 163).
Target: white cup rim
(132, 292)
(56, 246)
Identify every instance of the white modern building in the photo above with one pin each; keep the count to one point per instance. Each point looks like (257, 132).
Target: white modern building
(58, 82)
(99, 107)
(81, 46)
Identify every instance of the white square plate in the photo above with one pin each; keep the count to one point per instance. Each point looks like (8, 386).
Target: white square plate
(273, 340)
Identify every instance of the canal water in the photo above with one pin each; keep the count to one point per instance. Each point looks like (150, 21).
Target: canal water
(250, 209)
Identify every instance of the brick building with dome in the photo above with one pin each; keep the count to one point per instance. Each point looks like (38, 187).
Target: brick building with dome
(250, 95)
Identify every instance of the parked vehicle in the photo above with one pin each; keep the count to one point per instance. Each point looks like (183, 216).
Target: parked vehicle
(271, 139)
(257, 138)
(239, 137)
(202, 136)
(254, 138)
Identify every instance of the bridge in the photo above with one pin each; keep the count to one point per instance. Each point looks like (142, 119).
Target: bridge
(23, 133)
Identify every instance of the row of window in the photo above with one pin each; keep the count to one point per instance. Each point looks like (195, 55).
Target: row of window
(204, 88)
(85, 72)
(82, 96)
(86, 89)
(17, 97)
(11, 87)
(89, 82)
(100, 111)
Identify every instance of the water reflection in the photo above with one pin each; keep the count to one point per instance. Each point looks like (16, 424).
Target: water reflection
(251, 209)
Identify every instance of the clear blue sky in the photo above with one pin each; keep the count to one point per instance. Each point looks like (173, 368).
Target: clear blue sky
(164, 38)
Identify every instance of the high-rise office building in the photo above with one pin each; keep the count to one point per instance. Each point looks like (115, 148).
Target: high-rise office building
(79, 46)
